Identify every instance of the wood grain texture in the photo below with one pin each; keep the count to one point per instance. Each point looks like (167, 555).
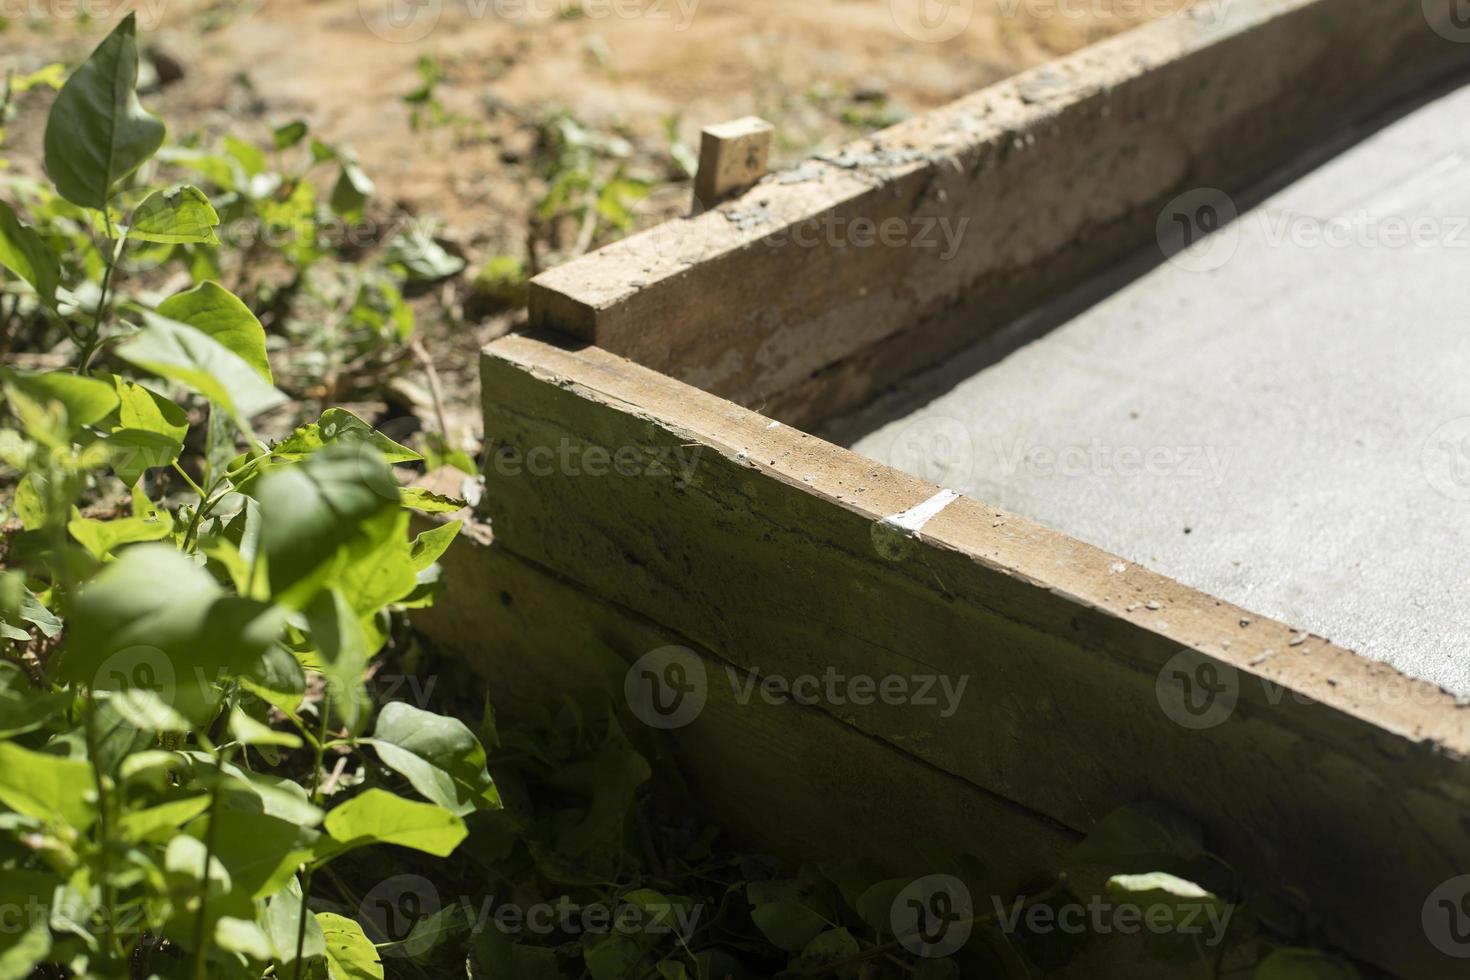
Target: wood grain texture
(784, 300)
(788, 780)
(768, 548)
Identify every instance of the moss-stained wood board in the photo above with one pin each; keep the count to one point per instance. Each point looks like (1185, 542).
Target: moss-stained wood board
(786, 556)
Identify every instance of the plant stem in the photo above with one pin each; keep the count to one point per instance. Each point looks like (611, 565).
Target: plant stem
(204, 885)
(104, 828)
(94, 340)
(319, 752)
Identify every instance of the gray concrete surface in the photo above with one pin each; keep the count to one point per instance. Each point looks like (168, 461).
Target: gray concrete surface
(1279, 415)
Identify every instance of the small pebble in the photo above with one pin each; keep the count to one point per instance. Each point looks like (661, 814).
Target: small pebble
(1152, 604)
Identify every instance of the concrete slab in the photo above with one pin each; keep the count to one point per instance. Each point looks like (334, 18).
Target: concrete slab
(1278, 415)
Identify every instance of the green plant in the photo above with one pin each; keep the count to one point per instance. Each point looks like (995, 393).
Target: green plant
(167, 669)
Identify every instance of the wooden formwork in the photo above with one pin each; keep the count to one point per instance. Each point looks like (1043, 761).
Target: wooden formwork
(648, 484)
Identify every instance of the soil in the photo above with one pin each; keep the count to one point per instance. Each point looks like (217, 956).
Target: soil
(823, 71)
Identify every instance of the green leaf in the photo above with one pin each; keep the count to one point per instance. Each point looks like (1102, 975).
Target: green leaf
(154, 620)
(423, 259)
(352, 190)
(379, 817)
(24, 253)
(140, 408)
(56, 405)
(20, 954)
(830, 947)
(251, 158)
(1182, 916)
(615, 957)
(439, 756)
(429, 546)
(282, 920)
(247, 731)
(1139, 838)
(242, 936)
(788, 924)
(337, 425)
(350, 954)
(428, 502)
(98, 132)
(135, 825)
(338, 635)
(501, 959)
(214, 310)
(1304, 964)
(47, 787)
(260, 851)
(290, 134)
(313, 509)
(135, 451)
(102, 538)
(186, 354)
(181, 216)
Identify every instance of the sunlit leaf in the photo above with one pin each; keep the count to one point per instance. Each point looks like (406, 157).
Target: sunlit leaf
(214, 310)
(181, 216)
(97, 132)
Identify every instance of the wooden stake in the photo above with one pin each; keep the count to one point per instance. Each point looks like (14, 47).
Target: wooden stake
(732, 157)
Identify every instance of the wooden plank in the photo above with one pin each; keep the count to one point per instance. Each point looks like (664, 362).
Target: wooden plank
(789, 780)
(956, 222)
(778, 553)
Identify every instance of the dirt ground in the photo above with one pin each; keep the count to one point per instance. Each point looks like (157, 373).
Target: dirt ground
(651, 72)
